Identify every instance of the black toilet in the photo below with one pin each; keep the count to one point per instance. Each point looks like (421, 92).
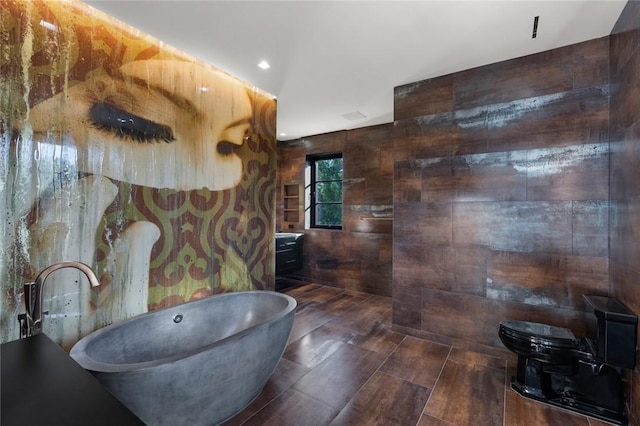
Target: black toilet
(578, 374)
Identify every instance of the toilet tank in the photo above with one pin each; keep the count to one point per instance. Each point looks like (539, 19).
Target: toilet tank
(611, 331)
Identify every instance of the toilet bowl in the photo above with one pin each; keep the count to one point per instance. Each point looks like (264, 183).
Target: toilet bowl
(548, 343)
(579, 374)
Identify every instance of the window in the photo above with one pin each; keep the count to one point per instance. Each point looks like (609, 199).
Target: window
(325, 191)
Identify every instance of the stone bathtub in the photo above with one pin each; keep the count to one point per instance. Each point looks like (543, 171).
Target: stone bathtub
(198, 363)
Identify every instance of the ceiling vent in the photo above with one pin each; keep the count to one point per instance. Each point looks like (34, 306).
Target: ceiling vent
(356, 115)
(535, 27)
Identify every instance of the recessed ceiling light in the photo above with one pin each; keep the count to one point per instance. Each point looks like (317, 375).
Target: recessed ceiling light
(356, 115)
(283, 134)
(264, 65)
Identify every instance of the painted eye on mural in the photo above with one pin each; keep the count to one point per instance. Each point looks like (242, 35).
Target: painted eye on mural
(128, 126)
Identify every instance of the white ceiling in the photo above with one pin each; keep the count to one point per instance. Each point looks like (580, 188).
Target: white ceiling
(330, 58)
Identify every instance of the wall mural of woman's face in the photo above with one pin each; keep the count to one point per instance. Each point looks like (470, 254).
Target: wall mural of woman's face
(159, 123)
(132, 157)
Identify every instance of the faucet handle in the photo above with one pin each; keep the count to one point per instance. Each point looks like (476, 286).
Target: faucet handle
(32, 297)
(24, 328)
(28, 327)
(31, 321)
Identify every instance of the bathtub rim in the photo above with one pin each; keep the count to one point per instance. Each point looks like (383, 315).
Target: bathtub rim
(79, 354)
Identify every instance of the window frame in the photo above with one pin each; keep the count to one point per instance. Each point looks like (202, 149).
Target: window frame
(311, 163)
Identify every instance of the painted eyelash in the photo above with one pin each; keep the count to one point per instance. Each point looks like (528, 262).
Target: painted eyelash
(226, 148)
(128, 126)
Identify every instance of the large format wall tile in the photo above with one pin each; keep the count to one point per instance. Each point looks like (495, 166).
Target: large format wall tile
(359, 256)
(514, 226)
(501, 194)
(624, 234)
(560, 70)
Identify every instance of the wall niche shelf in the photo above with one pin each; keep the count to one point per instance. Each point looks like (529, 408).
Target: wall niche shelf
(291, 196)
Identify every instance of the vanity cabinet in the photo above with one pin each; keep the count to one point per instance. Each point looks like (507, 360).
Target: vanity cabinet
(43, 385)
(288, 252)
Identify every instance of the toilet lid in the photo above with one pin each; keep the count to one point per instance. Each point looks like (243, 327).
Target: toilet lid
(537, 332)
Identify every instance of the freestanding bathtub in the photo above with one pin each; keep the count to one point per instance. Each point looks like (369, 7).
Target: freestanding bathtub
(198, 363)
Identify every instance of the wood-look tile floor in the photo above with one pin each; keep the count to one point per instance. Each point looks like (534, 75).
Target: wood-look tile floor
(345, 366)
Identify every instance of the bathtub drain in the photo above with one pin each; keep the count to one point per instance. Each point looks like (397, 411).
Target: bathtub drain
(177, 318)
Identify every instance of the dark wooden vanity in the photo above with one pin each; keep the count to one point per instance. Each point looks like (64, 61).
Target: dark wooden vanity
(43, 385)
(288, 257)
(288, 252)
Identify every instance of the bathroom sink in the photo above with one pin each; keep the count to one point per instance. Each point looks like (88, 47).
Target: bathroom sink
(287, 234)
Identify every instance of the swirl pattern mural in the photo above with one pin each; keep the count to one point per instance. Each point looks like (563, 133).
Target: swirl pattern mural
(121, 152)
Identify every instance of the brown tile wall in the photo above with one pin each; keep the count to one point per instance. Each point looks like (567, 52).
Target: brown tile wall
(501, 190)
(513, 189)
(624, 238)
(359, 256)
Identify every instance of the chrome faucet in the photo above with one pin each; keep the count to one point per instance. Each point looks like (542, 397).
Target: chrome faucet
(31, 321)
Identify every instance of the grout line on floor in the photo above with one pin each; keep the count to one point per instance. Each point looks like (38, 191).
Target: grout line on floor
(371, 376)
(436, 382)
(284, 390)
(506, 384)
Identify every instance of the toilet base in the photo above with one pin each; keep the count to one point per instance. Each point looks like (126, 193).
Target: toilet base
(595, 395)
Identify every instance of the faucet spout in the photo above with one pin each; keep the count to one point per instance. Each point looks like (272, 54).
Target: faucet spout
(31, 321)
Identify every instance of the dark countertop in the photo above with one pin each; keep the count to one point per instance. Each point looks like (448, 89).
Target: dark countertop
(42, 385)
